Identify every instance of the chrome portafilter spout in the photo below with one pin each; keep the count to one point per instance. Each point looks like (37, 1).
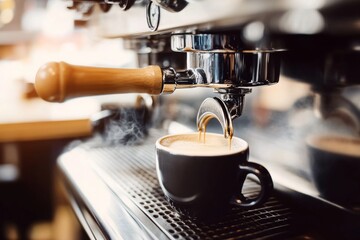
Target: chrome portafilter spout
(226, 109)
(234, 100)
(215, 108)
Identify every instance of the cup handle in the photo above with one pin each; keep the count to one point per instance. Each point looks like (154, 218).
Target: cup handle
(265, 181)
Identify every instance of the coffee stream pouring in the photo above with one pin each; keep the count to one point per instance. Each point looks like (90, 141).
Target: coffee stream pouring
(217, 61)
(215, 108)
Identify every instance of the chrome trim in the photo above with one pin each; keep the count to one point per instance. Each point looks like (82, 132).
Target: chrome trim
(169, 80)
(224, 71)
(217, 43)
(234, 100)
(240, 69)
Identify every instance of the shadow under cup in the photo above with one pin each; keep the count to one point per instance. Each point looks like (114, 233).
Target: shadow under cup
(335, 168)
(201, 180)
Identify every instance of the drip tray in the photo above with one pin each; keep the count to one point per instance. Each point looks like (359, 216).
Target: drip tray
(130, 173)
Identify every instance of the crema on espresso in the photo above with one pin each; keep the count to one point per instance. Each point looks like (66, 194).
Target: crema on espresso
(212, 145)
(337, 144)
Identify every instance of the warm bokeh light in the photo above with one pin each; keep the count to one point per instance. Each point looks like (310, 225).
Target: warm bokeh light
(7, 8)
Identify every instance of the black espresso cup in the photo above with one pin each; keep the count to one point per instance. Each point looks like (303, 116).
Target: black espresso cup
(200, 180)
(335, 168)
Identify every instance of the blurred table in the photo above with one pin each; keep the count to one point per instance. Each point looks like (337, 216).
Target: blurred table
(28, 120)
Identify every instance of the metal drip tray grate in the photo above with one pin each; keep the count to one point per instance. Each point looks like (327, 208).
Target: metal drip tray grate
(130, 172)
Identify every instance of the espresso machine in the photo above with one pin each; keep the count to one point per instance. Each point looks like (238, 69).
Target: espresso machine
(235, 50)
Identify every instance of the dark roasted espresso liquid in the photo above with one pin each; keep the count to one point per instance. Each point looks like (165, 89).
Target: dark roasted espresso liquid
(230, 140)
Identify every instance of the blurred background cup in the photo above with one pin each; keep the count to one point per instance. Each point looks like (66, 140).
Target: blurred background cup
(335, 167)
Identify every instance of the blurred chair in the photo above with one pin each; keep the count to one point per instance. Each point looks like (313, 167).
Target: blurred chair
(26, 184)
(28, 152)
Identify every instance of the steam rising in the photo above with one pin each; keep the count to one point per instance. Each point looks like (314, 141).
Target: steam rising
(127, 127)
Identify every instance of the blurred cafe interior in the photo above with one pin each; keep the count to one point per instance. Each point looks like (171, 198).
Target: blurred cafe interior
(87, 87)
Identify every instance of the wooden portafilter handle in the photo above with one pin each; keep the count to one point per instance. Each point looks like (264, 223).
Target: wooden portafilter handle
(58, 81)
